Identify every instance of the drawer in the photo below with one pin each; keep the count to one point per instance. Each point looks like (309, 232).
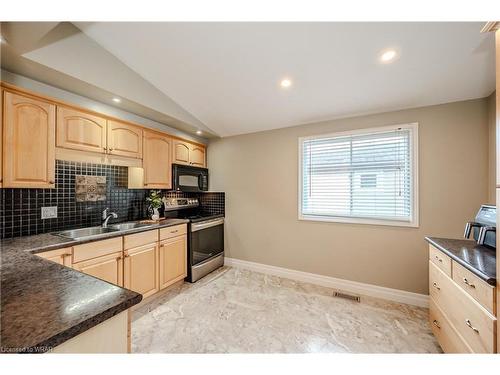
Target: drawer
(174, 231)
(447, 336)
(96, 249)
(472, 321)
(61, 256)
(440, 259)
(140, 239)
(480, 290)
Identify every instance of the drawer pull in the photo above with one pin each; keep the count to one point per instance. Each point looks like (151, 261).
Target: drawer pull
(436, 286)
(469, 324)
(436, 323)
(439, 259)
(468, 283)
(174, 231)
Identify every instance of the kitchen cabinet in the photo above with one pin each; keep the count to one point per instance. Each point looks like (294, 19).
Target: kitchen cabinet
(78, 130)
(1, 135)
(188, 154)
(141, 269)
(60, 256)
(157, 162)
(108, 268)
(460, 307)
(124, 139)
(28, 142)
(173, 260)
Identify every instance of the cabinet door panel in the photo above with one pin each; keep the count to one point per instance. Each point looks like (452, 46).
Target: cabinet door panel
(124, 140)
(80, 131)
(197, 156)
(181, 152)
(173, 260)
(108, 268)
(157, 161)
(29, 142)
(141, 270)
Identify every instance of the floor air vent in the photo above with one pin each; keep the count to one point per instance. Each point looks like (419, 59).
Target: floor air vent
(350, 297)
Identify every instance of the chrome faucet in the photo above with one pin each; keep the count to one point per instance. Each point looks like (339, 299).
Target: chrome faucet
(106, 216)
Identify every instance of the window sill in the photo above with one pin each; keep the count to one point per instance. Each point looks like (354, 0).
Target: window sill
(351, 220)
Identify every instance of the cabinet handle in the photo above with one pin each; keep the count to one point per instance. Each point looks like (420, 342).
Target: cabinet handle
(436, 286)
(111, 149)
(469, 324)
(468, 283)
(436, 323)
(439, 259)
(174, 231)
(51, 182)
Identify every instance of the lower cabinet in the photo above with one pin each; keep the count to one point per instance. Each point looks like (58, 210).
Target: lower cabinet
(173, 260)
(140, 269)
(60, 256)
(108, 268)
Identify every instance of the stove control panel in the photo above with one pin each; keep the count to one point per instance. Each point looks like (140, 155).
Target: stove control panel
(172, 204)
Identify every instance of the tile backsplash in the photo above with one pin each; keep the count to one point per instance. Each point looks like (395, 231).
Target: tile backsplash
(20, 209)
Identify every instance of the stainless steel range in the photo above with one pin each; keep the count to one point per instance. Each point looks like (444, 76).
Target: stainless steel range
(205, 236)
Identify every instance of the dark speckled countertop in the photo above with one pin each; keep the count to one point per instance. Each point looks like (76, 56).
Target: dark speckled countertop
(44, 304)
(480, 260)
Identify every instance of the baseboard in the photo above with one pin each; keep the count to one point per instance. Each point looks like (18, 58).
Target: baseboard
(332, 282)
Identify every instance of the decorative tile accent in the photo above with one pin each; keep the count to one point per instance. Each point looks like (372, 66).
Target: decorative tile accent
(90, 188)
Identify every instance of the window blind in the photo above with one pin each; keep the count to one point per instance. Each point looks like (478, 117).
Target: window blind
(362, 175)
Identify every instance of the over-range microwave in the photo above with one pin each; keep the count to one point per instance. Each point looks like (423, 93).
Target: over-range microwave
(190, 179)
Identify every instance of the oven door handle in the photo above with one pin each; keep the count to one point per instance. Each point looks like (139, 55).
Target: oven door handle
(207, 224)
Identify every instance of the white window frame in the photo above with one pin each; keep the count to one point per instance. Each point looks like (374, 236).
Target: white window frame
(414, 222)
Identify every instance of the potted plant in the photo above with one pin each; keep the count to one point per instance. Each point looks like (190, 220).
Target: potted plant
(155, 203)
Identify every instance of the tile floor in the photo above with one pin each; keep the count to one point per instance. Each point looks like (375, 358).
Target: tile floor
(239, 311)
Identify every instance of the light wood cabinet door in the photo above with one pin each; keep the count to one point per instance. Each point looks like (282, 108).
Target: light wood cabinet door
(188, 154)
(173, 260)
(141, 269)
(60, 256)
(124, 139)
(157, 162)
(29, 142)
(181, 152)
(78, 130)
(197, 156)
(108, 268)
(1, 136)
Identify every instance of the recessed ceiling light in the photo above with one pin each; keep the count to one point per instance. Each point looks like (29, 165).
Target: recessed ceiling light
(285, 83)
(117, 100)
(388, 56)
(198, 132)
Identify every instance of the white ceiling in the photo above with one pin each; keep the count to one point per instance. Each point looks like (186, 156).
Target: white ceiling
(227, 74)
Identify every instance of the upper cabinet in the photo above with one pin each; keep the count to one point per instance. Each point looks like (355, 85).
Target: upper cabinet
(157, 162)
(28, 142)
(80, 131)
(188, 153)
(124, 139)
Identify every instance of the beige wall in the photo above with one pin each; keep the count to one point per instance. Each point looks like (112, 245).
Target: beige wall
(259, 171)
(492, 157)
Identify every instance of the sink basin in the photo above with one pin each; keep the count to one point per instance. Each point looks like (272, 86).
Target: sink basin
(76, 234)
(127, 226)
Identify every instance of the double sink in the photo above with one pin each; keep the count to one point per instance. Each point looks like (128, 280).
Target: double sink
(93, 232)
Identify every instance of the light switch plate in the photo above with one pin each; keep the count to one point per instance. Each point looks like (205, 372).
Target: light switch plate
(49, 212)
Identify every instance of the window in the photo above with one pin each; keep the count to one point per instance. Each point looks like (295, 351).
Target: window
(368, 176)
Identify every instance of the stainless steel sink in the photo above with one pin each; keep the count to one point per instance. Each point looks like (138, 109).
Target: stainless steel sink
(77, 234)
(128, 226)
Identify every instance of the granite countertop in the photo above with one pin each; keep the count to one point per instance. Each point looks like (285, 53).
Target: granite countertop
(44, 304)
(479, 259)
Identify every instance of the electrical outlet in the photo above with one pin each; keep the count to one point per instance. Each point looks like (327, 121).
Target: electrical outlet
(49, 212)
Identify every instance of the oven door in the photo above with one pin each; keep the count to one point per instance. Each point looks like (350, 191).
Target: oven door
(189, 179)
(206, 240)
